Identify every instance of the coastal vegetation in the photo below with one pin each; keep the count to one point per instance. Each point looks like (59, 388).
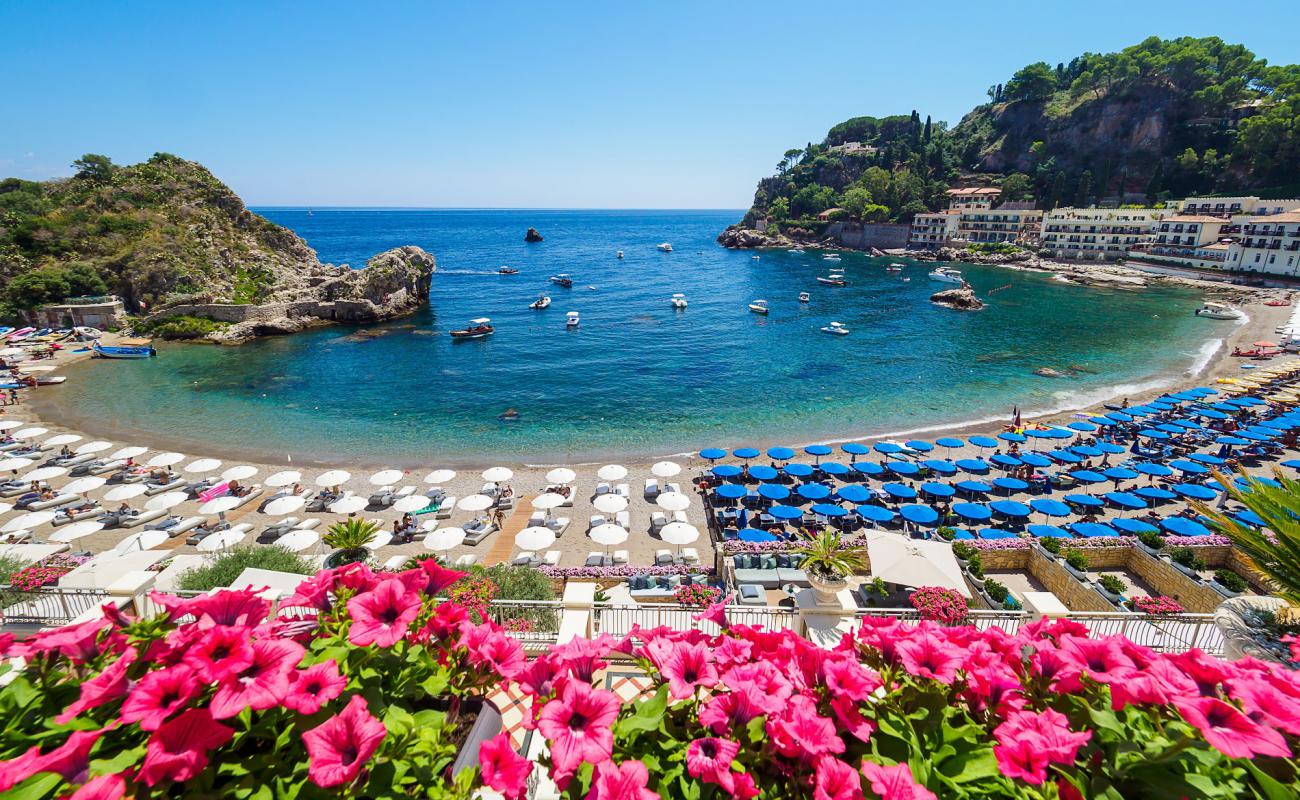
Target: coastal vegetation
(176, 327)
(1274, 548)
(226, 567)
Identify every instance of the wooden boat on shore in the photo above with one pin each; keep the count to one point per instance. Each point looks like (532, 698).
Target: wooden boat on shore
(104, 351)
(477, 329)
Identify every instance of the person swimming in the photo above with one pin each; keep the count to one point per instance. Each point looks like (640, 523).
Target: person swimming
(509, 415)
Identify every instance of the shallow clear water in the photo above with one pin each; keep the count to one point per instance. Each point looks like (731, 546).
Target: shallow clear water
(638, 377)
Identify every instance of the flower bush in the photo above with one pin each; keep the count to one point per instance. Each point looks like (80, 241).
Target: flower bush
(1157, 605)
(623, 571)
(363, 688)
(1099, 542)
(939, 604)
(44, 572)
(926, 711)
(698, 595)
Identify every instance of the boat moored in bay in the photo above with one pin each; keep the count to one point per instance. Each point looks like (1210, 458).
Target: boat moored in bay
(104, 351)
(478, 328)
(562, 280)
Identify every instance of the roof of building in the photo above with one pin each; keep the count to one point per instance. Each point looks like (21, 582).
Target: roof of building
(1289, 216)
(974, 191)
(1195, 218)
(1215, 246)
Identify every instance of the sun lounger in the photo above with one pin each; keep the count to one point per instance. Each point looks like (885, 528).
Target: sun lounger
(537, 520)
(527, 558)
(559, 525)
(73, 460)
(158, 488)
(11, 488)
(466, 560)
(141, 518)
(620, 556)
(552, 558)
(622, 490)
(596, 521)
(9, 447)
(602, 488)
(690, 555)
(308, 524)
(672, 487)
(252, 493)
(100, 467)
(385, 496)
(657, 520)
(663, 558)
(74, 516)
(651, 488)
(53, 502)
(623, 520)
(186, 525)
(489, 489)
(444, 510)
(276, 529)
(598, 559)
(680, 516)
(506, 503)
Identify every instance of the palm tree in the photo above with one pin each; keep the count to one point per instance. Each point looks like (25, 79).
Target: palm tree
(350, 539)
(823, 557)
(1277, 554)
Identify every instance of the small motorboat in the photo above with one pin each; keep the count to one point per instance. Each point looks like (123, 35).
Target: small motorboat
(620, 253)
(87, 334)
(1285, 302)
(894, 268)
(804, 297)
(1212, 310)
(541, 302)
(947, 275)
(796, 251)
(830, 257)
(836, 328)
(678, 301)
(507, 271)
(562, 280)
(664, 247)
(479, 328)
(50, 380)
(755, 257)
(759, 307)
(102, 351)
(571, 319)
(833, 278)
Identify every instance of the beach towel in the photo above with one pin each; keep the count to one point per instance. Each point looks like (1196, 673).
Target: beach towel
(214, 492)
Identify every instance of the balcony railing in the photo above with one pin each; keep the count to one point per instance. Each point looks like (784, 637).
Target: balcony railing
(617, 620)
(48, 606)
(1167, 633)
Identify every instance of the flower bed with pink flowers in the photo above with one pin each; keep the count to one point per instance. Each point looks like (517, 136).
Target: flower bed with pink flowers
(1097, 542)
(358, 694)
(1157, 605)
(43, 573)
(939, 604)
(623, 571)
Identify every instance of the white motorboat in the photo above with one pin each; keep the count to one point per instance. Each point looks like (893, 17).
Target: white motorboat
(665, 247)
(894, 268)
(571, 319)
(830, 257)
(759, 307)
(620, 253)
(833, 278)
(895, 264)
(836, 328)
(755, 257)
(796, 251)
(478, 328)
(947, 275)
(87, 334)
(678, 300)
(804, 297)
(540, 303)
(562, 280)
(1212, 310)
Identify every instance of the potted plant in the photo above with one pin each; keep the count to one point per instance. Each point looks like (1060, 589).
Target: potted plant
(1051, 546)
(962, 551)
(946, 533)
(995, 592)
(350, 540)
(975, 570)
(874, 591)
(1228, 583)
(1076, 563)
(1151, 543)
(827, 566)
(1112, 587)
(1187, 562)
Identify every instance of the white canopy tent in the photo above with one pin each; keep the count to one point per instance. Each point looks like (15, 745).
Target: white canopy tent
(914, 562)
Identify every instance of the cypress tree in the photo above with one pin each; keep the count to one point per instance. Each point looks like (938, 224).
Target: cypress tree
(1085, 189)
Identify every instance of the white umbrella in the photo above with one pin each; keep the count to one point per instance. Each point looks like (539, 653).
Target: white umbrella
(45, 473)
(27, 521)
(5, 508)
(298, 540)
(97, 446)
(125, 492)
(444, 538)
(439, 476)
(612, 472)
(536, 538)
(202, 465)
(665, 469)
(547, 501)
(386, 476)
(220, 505)
(128, 452)
(16, 463)
(475, 502)
(221, 540)
(610, 503)
(679, 533)
(673, 501)
(144, 540)
(608, 534)
(413, 502)
(10, 424)
(914, 562)
(165, 501)
(77, 530)
(497, 474)
(82, 485)
(561, 475)
(348, 505)
(27, 433)
(286, 478)
(62, 439)
(381, 538)
(239, 473)
(284, 505)
(165, 460)
(334, 477)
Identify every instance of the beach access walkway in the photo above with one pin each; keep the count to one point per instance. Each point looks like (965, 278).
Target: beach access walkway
(504, 545)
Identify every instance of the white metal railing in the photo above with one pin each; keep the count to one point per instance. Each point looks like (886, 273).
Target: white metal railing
(532, 622)
(1167, 633)
(1009, 621)
(47, 606)
(617, 620)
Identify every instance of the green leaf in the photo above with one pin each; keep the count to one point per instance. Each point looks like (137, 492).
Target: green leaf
(37, 786)
(649, 713)
(972, 765)
(125, 758)
(1269, 787)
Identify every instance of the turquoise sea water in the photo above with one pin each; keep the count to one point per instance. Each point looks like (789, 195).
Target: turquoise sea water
(638, 377)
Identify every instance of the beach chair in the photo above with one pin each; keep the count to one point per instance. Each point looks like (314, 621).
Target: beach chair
(552, 558)
(141, 518)
(657, 520)
(663, 558)
(596, 559)
(672, 487)
(466, 560)
(383, 497)
(255, 491)
(307, 524)
(445, 509)
(100, 467)
(175, 483)
(651, 488)
(73, 515)
(623, 520)
(559, 525)
(526, 558)
(680, 516)
(72, 461)
(596, 521)
(537, 520)
(602, 488)
(395, 563)
(623, 490)
(506, 503)
(620, 556)
(53, 502)
(690, 555)
(185, 526)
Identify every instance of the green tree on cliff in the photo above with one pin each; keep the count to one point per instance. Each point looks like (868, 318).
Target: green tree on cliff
(93, 167)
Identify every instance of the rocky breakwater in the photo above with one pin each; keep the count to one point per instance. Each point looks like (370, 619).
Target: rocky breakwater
(738, 237)
(961, 299)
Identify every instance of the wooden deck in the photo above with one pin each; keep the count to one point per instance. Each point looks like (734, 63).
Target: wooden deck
(503, 546)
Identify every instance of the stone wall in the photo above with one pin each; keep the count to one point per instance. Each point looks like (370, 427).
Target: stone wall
(880, 235)
(1075, 595)
(1165, 579)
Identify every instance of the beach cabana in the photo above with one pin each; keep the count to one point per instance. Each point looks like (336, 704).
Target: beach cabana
(1182, 526)
(914, 563)
(773, 491)
(918, 514)
(1194, 491)
(1133, 526)
(1093, 530)
(934, 489)
(763, 472)
(899, 490)
(1052, 508)
(1048, 532)
(1010, 508)
(713, 453)
(874, 513)
(972, 511)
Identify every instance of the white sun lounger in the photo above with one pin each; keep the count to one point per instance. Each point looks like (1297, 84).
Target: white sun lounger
(651, 488)
(552, 558)
(53, 502)
(142, 518)
(466, 560)
(444, 510)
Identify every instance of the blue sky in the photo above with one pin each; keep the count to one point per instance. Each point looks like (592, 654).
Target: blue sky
(504, 104)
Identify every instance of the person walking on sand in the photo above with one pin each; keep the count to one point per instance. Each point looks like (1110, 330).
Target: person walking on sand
(13, 397)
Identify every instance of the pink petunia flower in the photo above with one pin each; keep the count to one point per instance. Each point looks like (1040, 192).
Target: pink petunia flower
(1047, 731)
(316, 592)
(583, 658)
(835, 780)
(798, 731)
(577, 726)
(78, 643)
(1103, 660)
(724, 713)
(504, 770)
(107, 686)
(1230, 731)
(103, 787)
(927, 655)
(232, 607)
(1264, 704)
(894, 783)
(69, 760)
(158, 695)
(845, 677)
(761, 684)
(430, 578)
(626, 781)
(1021, 758)
(1205, 671)
(848, 715)
(263, 683)
(710, 760)
(382, 615)
(311, 688)
(490, 648)
(178, 750)
(221, 652)
(715, 613)
(340, 746)
(687, 667)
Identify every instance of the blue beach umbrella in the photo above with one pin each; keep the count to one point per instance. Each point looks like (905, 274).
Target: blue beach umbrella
(1168, 428)
(1267, 433)
(1087, 476)
(1189, 467)
(940, 467)
(1139, 411)
(1065, 456)
(1092, 530)
(817, 450)
(983, 441)
(785, 512)
(833, 468)
(1086, 450)
(1242, 482)
(919, 514)
(1133, 526)
(899, 490)
(972, 511)
(726, 471)
(855, 448)
(902, 467)
(887, 448)
(1154, 493)
(798, 470)
(780, 453)
(1107, 447)
(996, 533)
(973, 465)
(1003, 460)
(755, 535)
(938, 489)
(1293, 463)
(1205, 458)
(713, 453)
(1194, 491)
(1035, 460)
(829, 510)
(1232, 441)
(731, 491)
(1052, 508)
(1083, 500)
(963, 534)
(1010, 484)
(868, 468)
(763, 472)
(949, 441)
(1010, 508)
(1251, 435)
(1277, 424)
(1151, 468)
(919, 445)
(1009, 436)
(1252, 401)
(854, 493)
(875, 513)
(973, 487)
(1125, 500)
(1079, 425)
(1157, 404)
(1152, 433)
(1037, 433)
(1182, 526)
(1119, 474)
(1187, 425)
(773, 491)
(1048, 532)
(1060, 433)
(1104, 422)
(1249, 517)
(745, 452)
(1209, 413)
(1116, 416)
(813, 491)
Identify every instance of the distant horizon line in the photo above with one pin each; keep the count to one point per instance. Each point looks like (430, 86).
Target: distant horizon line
(478, 208)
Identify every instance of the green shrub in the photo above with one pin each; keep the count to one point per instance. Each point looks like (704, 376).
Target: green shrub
(996, 591)
(178, 327)
(962, 550)
(975, 565)
(227, 566)
(1051, 544)
(1187, 557)
(1112, 584)
(9, 564)
(1151, 539)
(1230, 580)
(1076, 559)
(520, 583)
(946, 533)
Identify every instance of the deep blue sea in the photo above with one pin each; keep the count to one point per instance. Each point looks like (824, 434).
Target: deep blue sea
(638, 377)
